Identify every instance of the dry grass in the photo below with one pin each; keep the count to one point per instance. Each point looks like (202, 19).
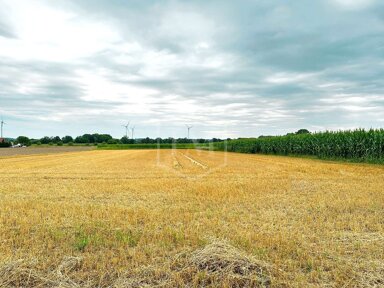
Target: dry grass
(123, 219)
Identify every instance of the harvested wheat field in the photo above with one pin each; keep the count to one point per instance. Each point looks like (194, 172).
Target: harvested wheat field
(191, 218)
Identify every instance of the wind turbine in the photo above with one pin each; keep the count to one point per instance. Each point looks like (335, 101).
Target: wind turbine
(132, 131)
(189, 128)
(2, 124)
(126, 129)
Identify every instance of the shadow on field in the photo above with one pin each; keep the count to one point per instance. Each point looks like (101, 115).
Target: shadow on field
(217, 264)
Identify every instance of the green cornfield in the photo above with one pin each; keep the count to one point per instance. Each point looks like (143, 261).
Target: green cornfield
(356, 145)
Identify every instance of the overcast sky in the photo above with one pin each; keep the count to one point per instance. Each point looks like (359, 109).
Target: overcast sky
(229, 68)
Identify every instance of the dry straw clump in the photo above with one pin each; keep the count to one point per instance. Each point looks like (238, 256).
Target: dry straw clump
(24, 274)
(221, 263)
(149, 276)
(372, 275)
(217, 264)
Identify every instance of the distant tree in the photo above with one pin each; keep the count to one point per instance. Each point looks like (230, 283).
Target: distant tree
(215, 140)
(171, 140)
(124, 140)
(303, 131)
(99, 138)
(23, 140)
(148, 141)
(184, 140)
(81, 139)
(168, 140)
(113, 141)
(60, 143)
(144, 140)
(93, 138)
(45, 140)
(67, 139)
(34, 141)
(56, 139)
(88, 138)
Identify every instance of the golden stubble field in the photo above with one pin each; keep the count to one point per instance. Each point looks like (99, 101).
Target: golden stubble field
(133, 218)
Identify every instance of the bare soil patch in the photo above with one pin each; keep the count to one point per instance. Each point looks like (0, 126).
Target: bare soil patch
(5, 152)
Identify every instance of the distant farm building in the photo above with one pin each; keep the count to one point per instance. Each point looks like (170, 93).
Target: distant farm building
(2, 140)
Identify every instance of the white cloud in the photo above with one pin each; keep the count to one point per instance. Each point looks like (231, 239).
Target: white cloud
(48, 34)
(98, 87)
(284, 77)
(354, 4)
(192, 27)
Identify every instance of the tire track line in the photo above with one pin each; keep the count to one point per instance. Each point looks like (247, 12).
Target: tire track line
(196, 162)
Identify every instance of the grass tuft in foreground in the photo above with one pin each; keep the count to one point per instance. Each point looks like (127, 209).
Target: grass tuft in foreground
(216, 264)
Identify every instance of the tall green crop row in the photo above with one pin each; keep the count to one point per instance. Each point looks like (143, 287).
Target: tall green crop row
(358, 145)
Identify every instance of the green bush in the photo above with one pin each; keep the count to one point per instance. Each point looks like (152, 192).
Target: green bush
(23, 140)
(112, 141)
(5, 144)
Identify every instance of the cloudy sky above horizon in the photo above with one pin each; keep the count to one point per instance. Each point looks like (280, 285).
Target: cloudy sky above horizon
(229, 68)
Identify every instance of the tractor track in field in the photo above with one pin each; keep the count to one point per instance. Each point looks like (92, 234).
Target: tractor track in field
(197, 163)
(176, 164)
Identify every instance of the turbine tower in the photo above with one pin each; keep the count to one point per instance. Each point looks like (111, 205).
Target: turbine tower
(2, 124)
(126, 129)
(132, 132)
(189, 128)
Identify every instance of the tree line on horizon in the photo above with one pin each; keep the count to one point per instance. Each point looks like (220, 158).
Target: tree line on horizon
(93, 139)
(96, 138)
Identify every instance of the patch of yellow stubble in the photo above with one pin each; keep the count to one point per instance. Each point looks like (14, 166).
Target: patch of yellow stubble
(316, 223)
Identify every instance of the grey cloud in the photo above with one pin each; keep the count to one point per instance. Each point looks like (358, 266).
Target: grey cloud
(4, 31)
(5, 28)
(322, 50)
